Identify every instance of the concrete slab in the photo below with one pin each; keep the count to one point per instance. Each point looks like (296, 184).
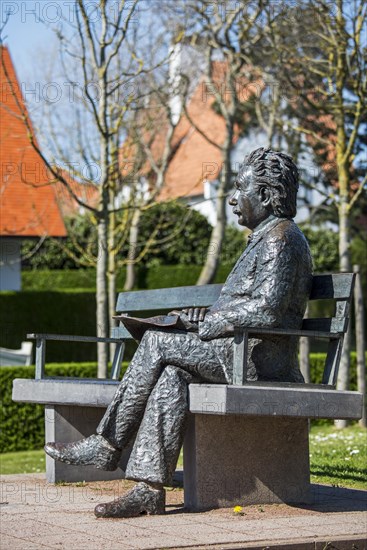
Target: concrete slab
(35, 514)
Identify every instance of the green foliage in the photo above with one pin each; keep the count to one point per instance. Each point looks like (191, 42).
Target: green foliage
(78, 249)
(22, 424)
(324, 249)
(234, 244)
(83, 280)
(53, 313)
(64, 279)
(182, 238)
(166, 276)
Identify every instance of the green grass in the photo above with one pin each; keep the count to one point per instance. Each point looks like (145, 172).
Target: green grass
(22, 462)
(338, 457)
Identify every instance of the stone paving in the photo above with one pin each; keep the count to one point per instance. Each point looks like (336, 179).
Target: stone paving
(36, 515)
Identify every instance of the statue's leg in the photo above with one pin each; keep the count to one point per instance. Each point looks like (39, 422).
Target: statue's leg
(156, 448)
(204, 360)
(122, 417)
(157, 445)
(159, 439)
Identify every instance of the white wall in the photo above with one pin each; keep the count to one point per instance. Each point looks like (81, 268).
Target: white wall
(10, 272)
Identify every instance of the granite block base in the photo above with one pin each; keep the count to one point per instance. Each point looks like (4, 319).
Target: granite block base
(234, 460)
(67, 423)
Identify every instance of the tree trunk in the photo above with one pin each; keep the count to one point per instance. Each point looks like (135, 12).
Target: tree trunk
(111, 278)
(216, 239)
(360, 341)
(344, 259)
(304, 355)
(102, 296)
(133, 242)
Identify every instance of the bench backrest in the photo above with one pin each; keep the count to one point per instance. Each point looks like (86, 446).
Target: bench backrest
(163, 299)
(337, 287)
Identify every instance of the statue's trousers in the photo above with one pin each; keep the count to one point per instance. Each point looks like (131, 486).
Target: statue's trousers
(152, 399)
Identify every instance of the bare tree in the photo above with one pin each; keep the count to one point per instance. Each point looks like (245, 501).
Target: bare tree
(325, 63)
(153, 132)
(98, 48)
(226, 35)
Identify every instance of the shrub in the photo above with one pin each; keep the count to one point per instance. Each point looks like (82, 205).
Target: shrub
(53, 313)
(22, 425)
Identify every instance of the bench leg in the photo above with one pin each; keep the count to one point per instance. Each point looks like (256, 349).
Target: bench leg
(236, 460)
(70, 423)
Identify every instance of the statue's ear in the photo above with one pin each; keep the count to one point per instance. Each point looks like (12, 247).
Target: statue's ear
(265, 196)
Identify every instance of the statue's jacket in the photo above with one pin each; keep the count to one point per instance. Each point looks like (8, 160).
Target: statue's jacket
(268, 287)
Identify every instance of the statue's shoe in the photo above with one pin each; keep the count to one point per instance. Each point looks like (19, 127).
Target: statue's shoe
(139, 501)
(94, 450)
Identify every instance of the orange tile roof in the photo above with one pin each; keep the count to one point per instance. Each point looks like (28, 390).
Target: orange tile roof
(28, 207)
(86, 192)
(194, 159)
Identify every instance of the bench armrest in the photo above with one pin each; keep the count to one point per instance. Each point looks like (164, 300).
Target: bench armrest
(291, 332)
(41, 350)
(241, 336)
(72, 338)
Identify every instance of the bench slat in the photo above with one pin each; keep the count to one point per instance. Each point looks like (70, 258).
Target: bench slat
(121, 332)
(168, 298)
(71, 338)
(338, 286)
(332, 324)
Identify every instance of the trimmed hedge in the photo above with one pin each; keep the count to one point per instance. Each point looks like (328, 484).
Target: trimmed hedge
(53, 313)
(63, 279)
(70, 308)
(177, 275)
(22, 424)
(161, 276)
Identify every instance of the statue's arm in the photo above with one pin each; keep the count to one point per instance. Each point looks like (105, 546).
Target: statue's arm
(269, 295)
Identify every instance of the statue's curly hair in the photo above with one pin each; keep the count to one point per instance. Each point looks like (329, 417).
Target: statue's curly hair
(277, 172)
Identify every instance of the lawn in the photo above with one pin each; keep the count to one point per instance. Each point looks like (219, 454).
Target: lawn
(22, 462)
(338, 457)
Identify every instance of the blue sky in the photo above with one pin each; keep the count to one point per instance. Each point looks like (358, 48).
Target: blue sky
(28, 31)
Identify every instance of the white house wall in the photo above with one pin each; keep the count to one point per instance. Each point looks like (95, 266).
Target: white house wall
(10, 273)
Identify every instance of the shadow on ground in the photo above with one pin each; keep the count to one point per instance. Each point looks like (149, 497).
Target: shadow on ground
(336, 499)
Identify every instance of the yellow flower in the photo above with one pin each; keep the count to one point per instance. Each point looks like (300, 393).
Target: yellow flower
(238, 510)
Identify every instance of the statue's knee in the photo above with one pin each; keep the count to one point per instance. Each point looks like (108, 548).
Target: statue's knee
(176, 374)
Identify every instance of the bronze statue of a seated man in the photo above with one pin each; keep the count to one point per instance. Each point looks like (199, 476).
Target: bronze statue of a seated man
(268, 286)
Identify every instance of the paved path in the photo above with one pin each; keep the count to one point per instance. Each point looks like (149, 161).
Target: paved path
(35, 515)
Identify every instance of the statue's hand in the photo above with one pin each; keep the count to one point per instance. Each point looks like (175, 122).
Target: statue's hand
(190, 317)
(195, 314)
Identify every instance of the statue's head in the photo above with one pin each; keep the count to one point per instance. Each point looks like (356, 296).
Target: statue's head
(276, 172)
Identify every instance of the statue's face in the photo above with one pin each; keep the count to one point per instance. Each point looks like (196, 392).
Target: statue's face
(250, 203)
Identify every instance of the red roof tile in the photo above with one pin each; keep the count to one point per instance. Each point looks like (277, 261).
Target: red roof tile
(196, 160)
(28, 205)
(86, 192)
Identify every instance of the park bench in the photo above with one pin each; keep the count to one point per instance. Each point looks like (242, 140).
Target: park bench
(246, 442)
